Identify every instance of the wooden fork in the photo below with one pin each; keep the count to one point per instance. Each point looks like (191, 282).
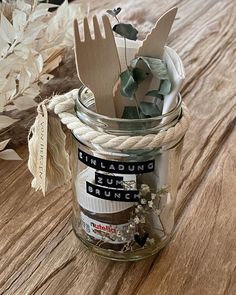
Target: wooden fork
(97, 63)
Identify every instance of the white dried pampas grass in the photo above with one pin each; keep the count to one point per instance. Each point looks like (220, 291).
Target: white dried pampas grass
(32, 44)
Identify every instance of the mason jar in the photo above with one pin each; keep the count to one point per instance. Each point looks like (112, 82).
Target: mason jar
(124, 198)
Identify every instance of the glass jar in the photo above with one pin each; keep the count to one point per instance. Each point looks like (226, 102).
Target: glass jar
(124, 200)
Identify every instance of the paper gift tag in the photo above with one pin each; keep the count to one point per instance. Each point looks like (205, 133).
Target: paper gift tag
(42, 130)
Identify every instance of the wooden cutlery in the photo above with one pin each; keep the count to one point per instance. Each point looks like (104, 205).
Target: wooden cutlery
(98, 64)
(154, 44)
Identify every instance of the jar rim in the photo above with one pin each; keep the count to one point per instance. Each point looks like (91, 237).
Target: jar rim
(120, 126)
(86, 110)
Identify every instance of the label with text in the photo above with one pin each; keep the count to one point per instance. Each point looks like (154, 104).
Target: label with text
(116, 166)
(41, 164)
(109, 180)
(102, 231)
(112, 194)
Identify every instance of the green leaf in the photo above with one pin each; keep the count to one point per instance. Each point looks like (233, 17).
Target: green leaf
(128, 84)
(130, 112)
(140, 75)
(159, 105)
(126, 30)
(150, 109)
(114, 12)
(156, 66)
(165, 87)
(155, 93)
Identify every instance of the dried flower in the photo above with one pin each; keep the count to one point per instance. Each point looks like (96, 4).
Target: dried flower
(145, 189)
(143, 201)
(136, 220)
(140, 207)
(150, 204)
(163, 192)
(32, 43)
(150, 241)
(142, 219)
(118, 233)
(153, 196)
(7, 154)
(131, 226)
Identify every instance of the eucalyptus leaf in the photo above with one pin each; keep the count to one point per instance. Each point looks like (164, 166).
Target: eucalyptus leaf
(140, 75)
(130, 112)
(159, 105)
(134, 63)
(126, 30)
(114, 12)
(165, 87)
(155, 93)
(128, 84)
(156, 66)
(149, 109)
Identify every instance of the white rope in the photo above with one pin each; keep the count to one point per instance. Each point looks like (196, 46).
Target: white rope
(58, 170)
(63, 106)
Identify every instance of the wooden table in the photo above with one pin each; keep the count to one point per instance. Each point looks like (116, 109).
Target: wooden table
(39, 253)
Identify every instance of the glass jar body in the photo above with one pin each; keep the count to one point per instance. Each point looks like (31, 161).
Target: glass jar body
(124, 200)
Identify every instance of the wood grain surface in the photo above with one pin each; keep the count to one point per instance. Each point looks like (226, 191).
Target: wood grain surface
(39, 253)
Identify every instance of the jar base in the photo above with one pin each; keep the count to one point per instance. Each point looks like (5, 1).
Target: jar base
(119, 256)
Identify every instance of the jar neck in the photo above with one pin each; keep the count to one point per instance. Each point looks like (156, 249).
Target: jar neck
(85, 111)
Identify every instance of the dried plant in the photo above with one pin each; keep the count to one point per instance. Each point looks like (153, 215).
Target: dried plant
(32, 44)
(7, 154)
(140, 69)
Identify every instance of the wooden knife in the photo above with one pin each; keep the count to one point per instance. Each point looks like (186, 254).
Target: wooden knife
(154, 44)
